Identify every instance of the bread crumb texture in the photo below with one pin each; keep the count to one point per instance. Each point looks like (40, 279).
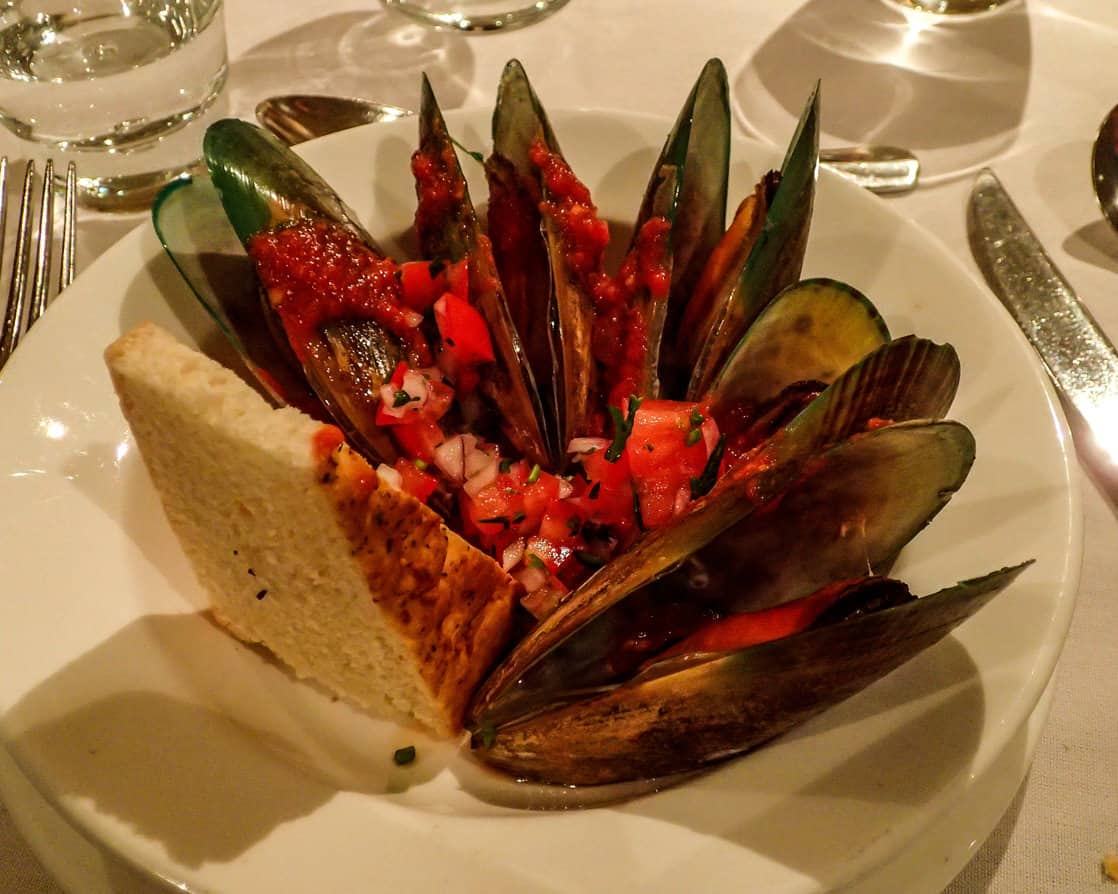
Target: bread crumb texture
(305, 550)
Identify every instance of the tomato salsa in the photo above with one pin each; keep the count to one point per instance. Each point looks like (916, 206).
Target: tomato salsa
(550, 528)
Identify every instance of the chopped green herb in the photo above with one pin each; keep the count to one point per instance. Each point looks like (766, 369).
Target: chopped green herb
(401, 397)
(488, 735)
(510, 490)
(595, 489)
(701, 486)
(589, 559)
(435, 268)
(476, 156)
(622, 428)
(518, 518)
(534, 475)
(502, 520)
(693, 437)
(504, 465)
(697, 418)
(404, 756)
(534, 561)
(420, 464)
(573, 524)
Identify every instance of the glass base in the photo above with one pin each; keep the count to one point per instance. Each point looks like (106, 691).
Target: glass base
(952, 7)
(475, 16)
(131, 192)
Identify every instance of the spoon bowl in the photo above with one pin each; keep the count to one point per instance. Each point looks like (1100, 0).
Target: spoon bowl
(1104, 167)
(296, 118)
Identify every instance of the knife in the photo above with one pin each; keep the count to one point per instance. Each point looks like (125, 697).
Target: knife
(1078, 356)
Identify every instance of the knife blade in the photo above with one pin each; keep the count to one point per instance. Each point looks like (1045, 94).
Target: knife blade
(1078, 356)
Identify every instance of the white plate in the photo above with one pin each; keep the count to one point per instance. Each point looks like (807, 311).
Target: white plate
(203, 761)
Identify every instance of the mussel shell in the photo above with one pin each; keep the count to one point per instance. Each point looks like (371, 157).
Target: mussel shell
(553, 314)
(775, 260)
(263, 183)
(194, 230)
(812, 331)
(834, 522)
(688, 186)
(697, 153)
(508, 382)
(691, 711)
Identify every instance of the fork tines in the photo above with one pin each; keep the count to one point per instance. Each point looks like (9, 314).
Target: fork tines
(25, 306)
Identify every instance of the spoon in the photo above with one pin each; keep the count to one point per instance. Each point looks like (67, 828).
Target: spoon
(299, 117)
(1104, 167)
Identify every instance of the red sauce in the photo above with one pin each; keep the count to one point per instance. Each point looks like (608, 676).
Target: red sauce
(620, 338)
(317, 271)
(439, 188)
(585, 235)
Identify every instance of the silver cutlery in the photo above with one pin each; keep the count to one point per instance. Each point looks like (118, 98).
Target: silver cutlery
(26, 303)
(296, 118)
(1078, 356)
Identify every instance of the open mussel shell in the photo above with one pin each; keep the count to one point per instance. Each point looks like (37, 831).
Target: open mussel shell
(694, 166)
(456, 234)
(773, 263)
(687, 712)
(811, 332)
(552, 312)
(839, 512)
(264, 185)
(194, 230)
(835, 520)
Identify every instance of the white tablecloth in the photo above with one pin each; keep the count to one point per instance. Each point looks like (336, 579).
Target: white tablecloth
(1023, 90)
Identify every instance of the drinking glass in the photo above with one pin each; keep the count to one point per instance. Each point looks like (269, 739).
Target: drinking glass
(124, 88)
(476, 15)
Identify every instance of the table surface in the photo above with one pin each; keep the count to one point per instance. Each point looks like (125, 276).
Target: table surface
(1022, 90)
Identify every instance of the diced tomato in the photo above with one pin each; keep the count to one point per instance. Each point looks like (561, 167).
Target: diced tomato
(668, 446)
(419, 439)
(494, 514)
(606, 497)
(751, 628)
(458, 278)
(561, 522)
(421, 283)
(418, 483)
(463, 330)
(539, 494)
(512, 506)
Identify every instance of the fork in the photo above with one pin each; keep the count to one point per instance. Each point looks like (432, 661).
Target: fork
(24, 306)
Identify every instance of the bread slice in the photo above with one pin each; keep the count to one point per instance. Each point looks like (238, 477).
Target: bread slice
(302, 547)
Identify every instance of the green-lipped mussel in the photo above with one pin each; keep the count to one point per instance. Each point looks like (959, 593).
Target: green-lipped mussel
(760, 601)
